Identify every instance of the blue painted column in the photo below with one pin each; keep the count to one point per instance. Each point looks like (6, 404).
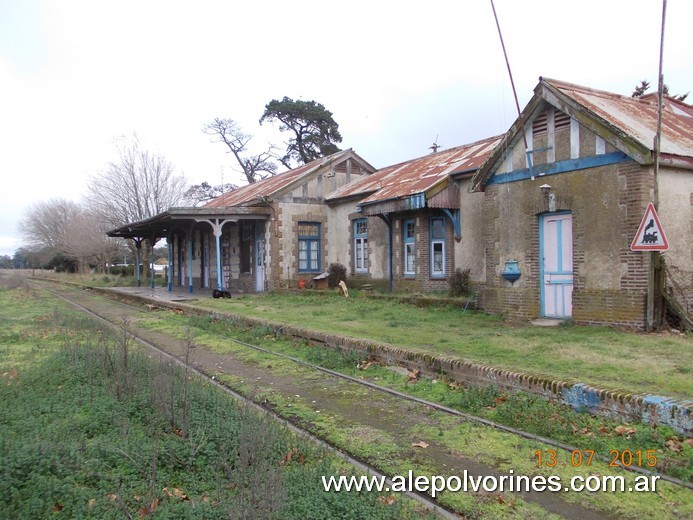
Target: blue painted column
(138, 248)
(217, 224)
(191, 244)
(220, 281)
(151, 262)
(169, 271)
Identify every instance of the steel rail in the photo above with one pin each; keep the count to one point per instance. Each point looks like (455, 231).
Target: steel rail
(436, 406)
(422, 498)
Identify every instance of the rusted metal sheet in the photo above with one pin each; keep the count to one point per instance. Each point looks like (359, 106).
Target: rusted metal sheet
(264, 188)
(381, 208)
(637, 117)
(418, 175)
(448, 198)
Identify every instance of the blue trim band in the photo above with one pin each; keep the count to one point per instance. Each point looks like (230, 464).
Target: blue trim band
(559, 167)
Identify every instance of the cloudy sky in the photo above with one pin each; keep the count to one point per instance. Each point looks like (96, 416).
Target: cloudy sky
(77, 75)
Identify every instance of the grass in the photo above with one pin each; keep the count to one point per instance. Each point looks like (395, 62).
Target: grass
(522, 411)
(605, 357)
(91, 427)
(389, 449)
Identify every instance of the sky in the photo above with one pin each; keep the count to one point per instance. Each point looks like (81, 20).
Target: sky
(79, 76)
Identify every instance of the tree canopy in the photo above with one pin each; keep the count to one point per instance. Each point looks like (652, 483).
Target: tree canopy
(315, 132)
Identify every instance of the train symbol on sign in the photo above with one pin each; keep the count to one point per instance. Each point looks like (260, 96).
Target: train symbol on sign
(650, 238)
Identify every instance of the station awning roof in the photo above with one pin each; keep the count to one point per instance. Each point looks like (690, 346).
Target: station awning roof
(160, 225)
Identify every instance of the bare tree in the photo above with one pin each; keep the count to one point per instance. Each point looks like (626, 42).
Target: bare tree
(86, 241)
(44, 225)
(63, 229)
(253, 167)
(137, 186)
(198, 194)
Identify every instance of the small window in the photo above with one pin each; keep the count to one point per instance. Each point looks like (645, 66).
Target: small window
(361, 245)
(409, 248)
(437, 247)
(308, 247)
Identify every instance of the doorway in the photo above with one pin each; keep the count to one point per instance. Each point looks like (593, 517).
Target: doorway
(259, 263)
(556, 264)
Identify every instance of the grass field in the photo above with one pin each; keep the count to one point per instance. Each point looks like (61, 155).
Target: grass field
(636, 362)
(90, 427)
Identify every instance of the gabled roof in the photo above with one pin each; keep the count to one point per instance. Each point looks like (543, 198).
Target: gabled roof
(629, 124)
(277, 185)
(416, 176)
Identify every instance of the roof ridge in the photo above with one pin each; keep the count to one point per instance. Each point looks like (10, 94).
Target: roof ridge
(447, 150)
(600, 92)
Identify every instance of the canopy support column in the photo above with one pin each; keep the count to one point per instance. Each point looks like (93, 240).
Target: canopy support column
(191, 245)
(153, 242)
(138, 252)
(217, 224)
(169, 270)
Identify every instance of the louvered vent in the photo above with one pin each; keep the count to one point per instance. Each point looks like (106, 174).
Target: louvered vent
(561, 120)
(539, 124)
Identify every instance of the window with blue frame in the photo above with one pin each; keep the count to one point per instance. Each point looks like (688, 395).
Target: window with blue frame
(361, 245)
(308, 247)
(409, 247)
(437, 247)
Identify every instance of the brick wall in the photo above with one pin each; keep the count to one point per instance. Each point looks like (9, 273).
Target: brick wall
(607, 204)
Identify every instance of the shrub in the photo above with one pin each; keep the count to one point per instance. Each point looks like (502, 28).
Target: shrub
(337, 273)
(460, 283)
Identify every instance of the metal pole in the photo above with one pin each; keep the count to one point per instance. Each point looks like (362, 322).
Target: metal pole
(655, 260)
(512, 82)
(138, 247)
(191, 241)
(169, 240)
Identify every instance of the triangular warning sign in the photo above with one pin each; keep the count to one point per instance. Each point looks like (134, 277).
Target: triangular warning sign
(650, 235)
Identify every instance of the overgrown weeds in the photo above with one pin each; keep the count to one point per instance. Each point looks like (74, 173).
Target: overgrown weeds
(97, 429)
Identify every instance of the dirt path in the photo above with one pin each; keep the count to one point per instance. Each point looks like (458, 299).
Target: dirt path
(367, 416)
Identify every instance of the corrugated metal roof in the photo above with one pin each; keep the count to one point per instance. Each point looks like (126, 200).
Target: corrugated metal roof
(417, 175)
(249, 194)
(637, 117)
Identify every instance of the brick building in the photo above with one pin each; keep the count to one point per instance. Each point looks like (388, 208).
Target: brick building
(565, 192)
(417, 218)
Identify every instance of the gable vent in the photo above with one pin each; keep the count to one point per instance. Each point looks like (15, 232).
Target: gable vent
(561, 120)
(539, 124)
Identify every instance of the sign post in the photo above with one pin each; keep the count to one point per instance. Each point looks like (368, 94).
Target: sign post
(651, 237)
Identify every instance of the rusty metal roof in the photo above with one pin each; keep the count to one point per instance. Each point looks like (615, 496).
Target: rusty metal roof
(264, 188)
(417, 175)
(637, 117)
(629, 123)
(278, 184)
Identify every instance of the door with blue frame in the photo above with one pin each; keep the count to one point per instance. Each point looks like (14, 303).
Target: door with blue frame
(556, 264)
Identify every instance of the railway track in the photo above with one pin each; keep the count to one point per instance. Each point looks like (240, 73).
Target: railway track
(112, 311)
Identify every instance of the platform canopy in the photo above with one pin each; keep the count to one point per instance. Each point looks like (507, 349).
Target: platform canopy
(159, 226)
